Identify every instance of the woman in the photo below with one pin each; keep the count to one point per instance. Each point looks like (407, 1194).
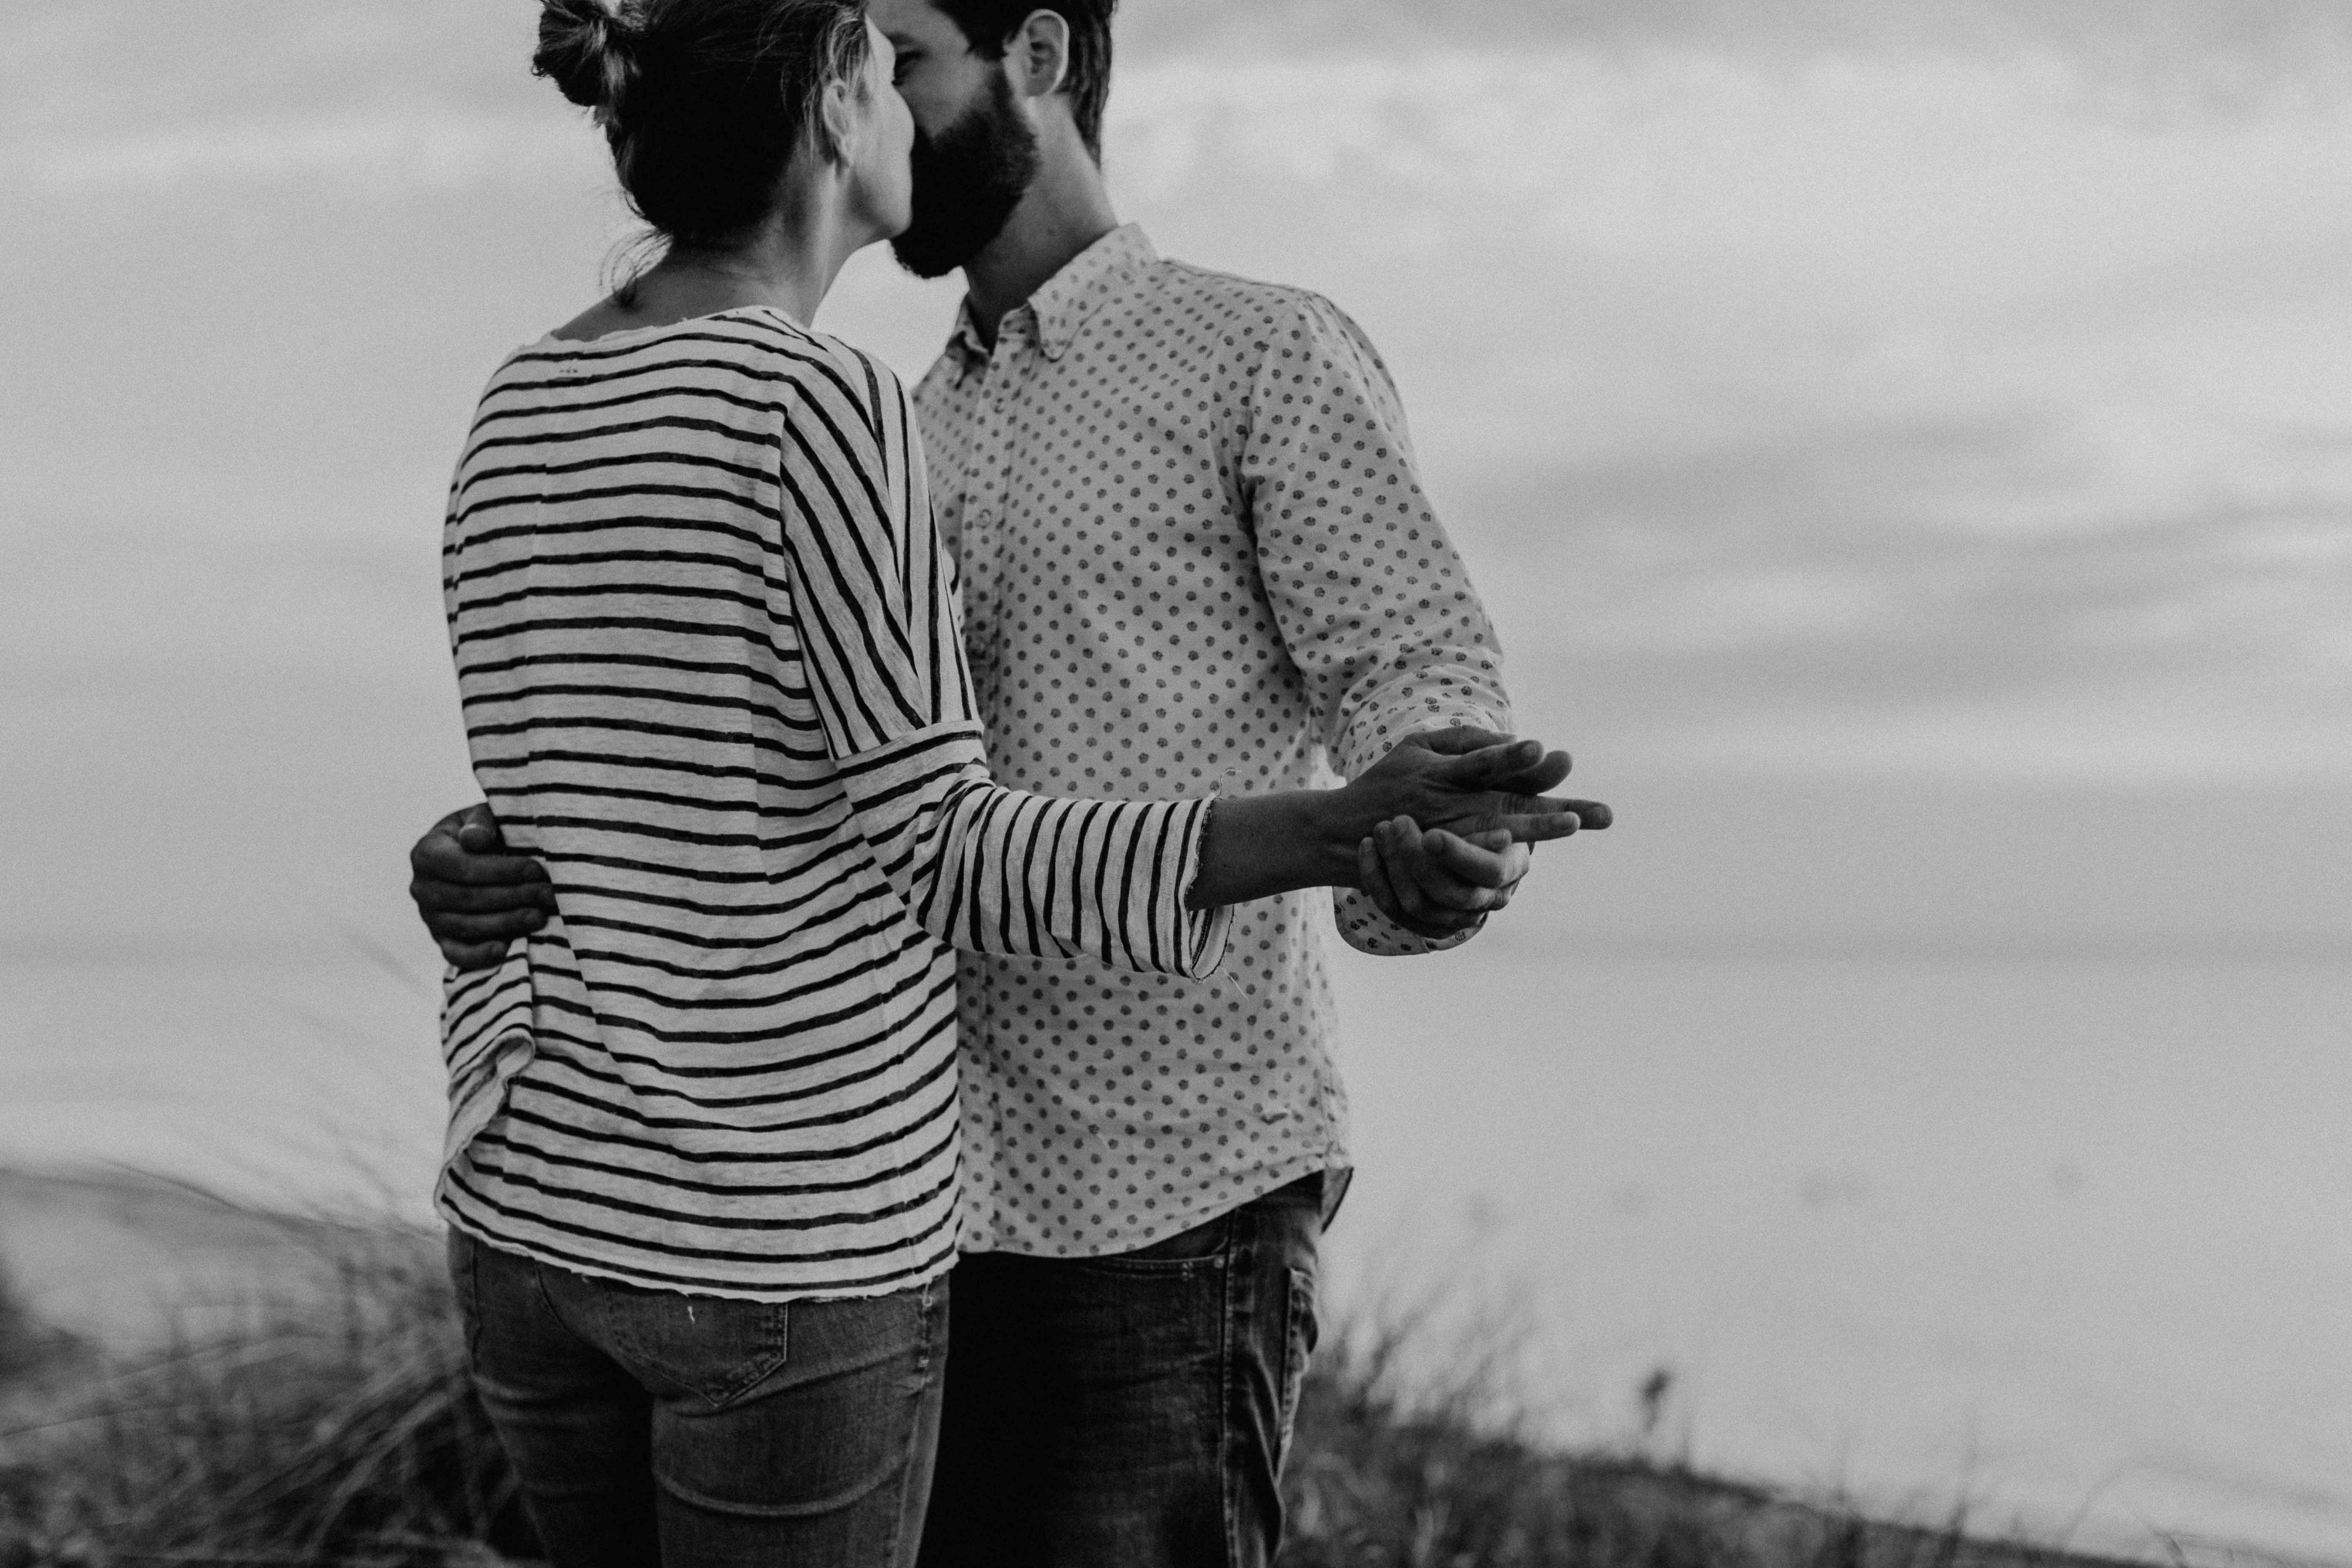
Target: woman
(701, 1172)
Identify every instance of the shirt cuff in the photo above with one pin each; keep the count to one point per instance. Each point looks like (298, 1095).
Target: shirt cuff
(1363, 927)
(1202, 935)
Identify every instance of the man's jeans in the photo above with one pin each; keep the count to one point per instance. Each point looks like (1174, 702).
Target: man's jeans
(1132, 1410)
(656, 1430)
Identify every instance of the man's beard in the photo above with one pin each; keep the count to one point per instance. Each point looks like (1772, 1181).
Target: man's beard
(967, 180)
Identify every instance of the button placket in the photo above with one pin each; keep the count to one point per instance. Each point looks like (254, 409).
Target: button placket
(976, 538)
(989, 484)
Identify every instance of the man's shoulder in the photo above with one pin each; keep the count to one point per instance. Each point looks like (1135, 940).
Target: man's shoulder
(1259, 328)
(1243, 302)
(1257, 324)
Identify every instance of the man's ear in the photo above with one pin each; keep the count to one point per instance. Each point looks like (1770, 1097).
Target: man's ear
(1038, 57)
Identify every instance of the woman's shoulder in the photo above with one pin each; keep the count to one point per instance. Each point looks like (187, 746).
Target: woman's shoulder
(878, 383)
(739, 361)
(769, 344)
(850, 388)
(606, 317)
(758, 341)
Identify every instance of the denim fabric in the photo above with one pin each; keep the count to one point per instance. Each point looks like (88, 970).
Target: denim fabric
(651, 1428)
(1132, 1410)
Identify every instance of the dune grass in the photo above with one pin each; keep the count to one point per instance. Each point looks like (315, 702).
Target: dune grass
(1390, 1470)
(331, 1424)
(335, 1424)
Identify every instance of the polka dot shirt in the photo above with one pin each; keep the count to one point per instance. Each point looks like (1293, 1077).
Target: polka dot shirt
(1195, 559)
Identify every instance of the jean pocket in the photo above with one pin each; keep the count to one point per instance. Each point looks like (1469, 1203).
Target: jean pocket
(710, 1348)
(1207, 1242)
(1301, 1330)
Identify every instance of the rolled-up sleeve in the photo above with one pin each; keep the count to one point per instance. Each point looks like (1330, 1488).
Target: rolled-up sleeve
(1373, 601)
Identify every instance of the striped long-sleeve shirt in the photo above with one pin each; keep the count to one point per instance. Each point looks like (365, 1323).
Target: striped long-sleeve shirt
(712, 676)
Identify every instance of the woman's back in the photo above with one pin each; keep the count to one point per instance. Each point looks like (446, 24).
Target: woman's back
(710, 678)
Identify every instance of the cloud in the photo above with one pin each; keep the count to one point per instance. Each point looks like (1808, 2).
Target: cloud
(111, 92)
(111, 67)
(1857, 599)
(2228, 55)
(1602, 153)
(123, 94)
(366, 154)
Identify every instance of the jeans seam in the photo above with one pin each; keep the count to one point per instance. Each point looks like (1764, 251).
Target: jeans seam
(1228, 1392)
(906, 1458)
(1298, 1302)
(914, 1421)
(470, 1306)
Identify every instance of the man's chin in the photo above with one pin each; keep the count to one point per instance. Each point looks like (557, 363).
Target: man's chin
(925, 259)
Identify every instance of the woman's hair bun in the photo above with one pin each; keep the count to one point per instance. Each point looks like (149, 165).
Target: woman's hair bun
(585, 49)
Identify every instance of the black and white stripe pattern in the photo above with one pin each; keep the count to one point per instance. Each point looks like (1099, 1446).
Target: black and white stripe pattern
(712, 676)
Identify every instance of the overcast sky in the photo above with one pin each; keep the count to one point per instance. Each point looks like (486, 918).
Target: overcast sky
(1937, 392)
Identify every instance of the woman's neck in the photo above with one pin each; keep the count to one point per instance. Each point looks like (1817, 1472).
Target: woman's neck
(787, 272)
(789, 264)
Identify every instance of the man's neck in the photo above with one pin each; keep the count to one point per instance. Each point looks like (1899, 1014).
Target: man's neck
(1065, 209)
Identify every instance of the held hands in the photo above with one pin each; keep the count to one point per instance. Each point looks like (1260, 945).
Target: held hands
(475, 898)
(1458, 852)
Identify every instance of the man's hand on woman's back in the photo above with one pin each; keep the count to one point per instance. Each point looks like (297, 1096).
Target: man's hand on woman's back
(474, 895)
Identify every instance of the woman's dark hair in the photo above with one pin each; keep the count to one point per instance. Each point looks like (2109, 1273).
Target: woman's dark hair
(989, 25)
(704, 102)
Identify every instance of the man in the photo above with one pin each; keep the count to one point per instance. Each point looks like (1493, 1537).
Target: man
(1194, 558)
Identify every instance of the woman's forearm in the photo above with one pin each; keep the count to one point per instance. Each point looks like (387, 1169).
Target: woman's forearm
(1258, 846)
(997, 870)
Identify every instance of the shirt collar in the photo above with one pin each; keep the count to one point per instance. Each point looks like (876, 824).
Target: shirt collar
(1063, 302)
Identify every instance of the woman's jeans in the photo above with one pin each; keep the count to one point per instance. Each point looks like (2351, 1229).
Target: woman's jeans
(651, 1428)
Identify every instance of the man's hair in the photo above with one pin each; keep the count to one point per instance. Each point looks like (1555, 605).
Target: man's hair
(989, 25)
